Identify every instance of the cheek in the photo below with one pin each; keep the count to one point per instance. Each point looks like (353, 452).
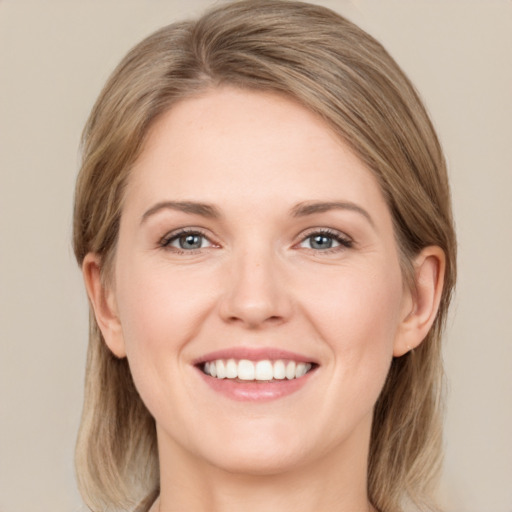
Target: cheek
(161, 309)
(160, 313)
(357, 300)
(357, 314)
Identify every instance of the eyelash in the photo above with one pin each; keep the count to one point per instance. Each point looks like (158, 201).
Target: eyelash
(343, 241)
(167, 240)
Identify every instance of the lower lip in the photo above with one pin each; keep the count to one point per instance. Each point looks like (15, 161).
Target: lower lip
(255, 391)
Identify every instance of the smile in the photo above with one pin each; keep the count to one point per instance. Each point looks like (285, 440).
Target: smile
(251, 374)
(264, 370)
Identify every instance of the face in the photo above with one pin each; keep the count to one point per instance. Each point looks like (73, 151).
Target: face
(257, 285)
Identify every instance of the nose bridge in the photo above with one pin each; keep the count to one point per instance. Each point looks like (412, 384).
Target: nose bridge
(255, 292)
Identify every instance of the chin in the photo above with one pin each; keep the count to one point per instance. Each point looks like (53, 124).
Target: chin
(257, 462)
(265, 449)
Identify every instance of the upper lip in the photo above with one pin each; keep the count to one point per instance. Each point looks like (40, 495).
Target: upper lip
(253, 354)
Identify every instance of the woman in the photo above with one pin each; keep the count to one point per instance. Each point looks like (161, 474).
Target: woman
(264, 226)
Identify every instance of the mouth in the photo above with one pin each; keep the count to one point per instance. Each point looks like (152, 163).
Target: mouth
(253, 374)
(263, 370)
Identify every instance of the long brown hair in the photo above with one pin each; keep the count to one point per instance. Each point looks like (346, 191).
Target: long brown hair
(338, 71)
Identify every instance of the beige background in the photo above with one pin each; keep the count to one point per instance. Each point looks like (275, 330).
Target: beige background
(55, 56)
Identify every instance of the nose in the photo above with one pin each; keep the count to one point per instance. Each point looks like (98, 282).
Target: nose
(256, 293)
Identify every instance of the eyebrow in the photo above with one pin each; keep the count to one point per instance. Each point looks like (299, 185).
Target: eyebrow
(312, 207)
(203, 209)
(300, 210)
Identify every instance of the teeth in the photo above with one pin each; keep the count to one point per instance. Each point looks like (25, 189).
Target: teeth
(221, 369)
(300, 370)
(290, 370)
(279, 370)
(231, 369)
(245, 370)
(264, 370)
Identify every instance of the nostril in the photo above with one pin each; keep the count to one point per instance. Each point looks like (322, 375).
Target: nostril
(254, 315)
(255, 297)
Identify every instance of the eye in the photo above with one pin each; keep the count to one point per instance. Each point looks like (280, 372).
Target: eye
(186, 240)
(324, 240)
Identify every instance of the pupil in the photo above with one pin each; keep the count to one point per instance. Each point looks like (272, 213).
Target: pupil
(190, 242)
(321, 242)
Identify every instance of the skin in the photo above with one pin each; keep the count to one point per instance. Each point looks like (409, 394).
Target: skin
(257, 281)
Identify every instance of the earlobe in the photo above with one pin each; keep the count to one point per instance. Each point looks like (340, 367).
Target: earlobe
(102, 299)
(429, 268)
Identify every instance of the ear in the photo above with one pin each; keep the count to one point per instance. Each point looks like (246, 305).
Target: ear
(102, 299)
(422, 301)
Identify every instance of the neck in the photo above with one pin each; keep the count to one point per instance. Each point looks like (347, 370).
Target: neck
(334, 484)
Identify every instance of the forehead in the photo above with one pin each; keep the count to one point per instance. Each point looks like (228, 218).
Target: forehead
(229, 144)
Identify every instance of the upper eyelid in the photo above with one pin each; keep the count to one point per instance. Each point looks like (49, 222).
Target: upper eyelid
(185, 230)
(324, 231)
(176, 233)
